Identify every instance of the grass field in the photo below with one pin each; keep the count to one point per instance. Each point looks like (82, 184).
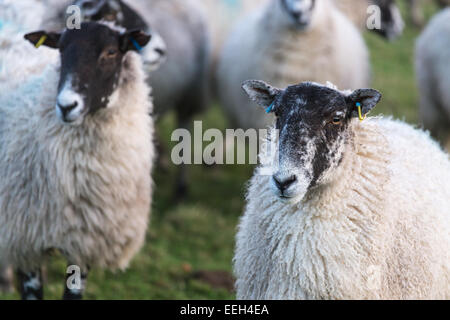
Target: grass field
(198, 233)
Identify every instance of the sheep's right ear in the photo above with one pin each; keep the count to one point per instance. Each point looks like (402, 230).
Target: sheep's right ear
(49, 39)
(260, 92)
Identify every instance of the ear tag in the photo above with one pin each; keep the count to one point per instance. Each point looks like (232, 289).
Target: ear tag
(41, 41)
(270, 108)
(361, 118)
(136, 45)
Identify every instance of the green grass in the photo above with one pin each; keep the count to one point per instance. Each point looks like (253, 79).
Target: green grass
(198, 234)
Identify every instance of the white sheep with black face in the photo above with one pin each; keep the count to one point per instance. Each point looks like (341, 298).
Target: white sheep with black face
(433, 76)
(343, 209)
(76, 155)
(285, 42)
(180, 83)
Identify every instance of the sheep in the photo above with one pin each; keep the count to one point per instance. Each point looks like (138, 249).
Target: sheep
(432, 59)
(181, 82)
(392, 24)
(343, 208)
(76, 155)
(288, 41)
(221, 16)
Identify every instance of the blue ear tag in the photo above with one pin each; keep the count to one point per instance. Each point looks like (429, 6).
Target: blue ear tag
(136, 45)
(269, 109)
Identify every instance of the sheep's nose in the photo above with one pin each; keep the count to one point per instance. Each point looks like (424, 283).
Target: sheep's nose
(284, 182)
(66, 109)
(296, 15)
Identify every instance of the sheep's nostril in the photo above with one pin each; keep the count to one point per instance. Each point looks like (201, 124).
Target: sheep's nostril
(284, 183)
(65, 110)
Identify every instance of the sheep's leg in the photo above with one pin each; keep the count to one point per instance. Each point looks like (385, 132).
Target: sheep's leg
(181, 187)
(75, 283)
(6, 279)
(30, 285)
(416, 13)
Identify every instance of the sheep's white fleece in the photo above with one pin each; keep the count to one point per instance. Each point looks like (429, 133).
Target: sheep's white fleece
(355, 10)
(84, 190)
(433, 75)
(18, 58)
(380, 230)
(263, 47)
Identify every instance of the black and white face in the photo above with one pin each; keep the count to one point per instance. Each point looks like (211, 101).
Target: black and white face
(300, 11)
(313, 125)
(91, 64)
(118, 12)
(392, 24)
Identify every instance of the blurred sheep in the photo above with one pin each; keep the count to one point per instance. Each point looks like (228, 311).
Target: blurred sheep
(287, 41)
(433, 76)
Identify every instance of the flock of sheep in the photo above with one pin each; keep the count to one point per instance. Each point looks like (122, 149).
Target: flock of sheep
(351, 209)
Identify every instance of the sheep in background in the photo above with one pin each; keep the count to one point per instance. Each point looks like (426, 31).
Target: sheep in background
(285, 42)
(181, 83)
(343, 209)
(18, 62)
(391, 20)
(433, 76)
(75, 161)
(221, 17)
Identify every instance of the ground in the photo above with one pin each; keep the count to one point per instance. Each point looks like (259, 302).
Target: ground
(189, 245)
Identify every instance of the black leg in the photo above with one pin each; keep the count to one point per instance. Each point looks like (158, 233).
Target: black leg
(75, 283)
(181, 186)
(30, 285)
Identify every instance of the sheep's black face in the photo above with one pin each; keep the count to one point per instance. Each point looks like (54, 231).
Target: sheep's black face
(300, 11)
(91, 64)
(391, 20)
(312, 122)
(118, 12)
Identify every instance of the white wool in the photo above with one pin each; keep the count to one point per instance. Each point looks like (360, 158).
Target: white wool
(379, 230)
(433, 75)
(18, 58)
(84, 190)
(263, 47)
(181, 81)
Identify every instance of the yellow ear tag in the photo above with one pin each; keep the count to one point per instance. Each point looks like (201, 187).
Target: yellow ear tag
(41, 41)
(361, 118)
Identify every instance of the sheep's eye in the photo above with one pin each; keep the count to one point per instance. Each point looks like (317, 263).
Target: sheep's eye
(336, 120)
(111, 52)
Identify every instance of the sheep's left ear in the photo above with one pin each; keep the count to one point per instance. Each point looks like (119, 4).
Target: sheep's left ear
(38, 38)
(134, 40)
(368, 98)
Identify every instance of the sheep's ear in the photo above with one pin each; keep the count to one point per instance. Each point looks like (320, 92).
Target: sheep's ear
(48, 39)
(367, 98)
(260, 92)
(134, 40)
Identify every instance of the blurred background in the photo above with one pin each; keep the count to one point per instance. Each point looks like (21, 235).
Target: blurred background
(189, 246)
